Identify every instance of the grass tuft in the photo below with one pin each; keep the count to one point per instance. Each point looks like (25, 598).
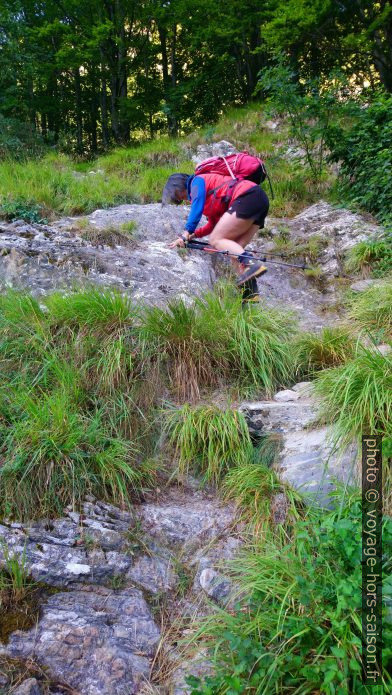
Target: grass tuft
(329, 348)
(92, 308)
(370, 256)
(357, 396)
(252, 487)
(215, 340)
(54, 454)
(207, 440)
(372, 309)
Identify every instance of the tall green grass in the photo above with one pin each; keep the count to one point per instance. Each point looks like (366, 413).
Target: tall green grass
(59, 186)
(329, 348)
(56, 185)
(372, 309)
(357, 396)
(208, 440)
(83, 374)
(55, 454)
(70, 416)
(297, 627)
(214, 341)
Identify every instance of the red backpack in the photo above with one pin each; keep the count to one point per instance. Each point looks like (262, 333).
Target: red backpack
(240, 166)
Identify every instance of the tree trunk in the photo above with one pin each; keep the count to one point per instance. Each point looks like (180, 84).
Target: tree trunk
(78, 111)
(104, 105)
(173, 126)
(122, 74)
(168, 80)
(93, 115)
(382, 55)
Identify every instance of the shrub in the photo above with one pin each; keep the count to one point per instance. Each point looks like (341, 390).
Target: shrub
(357, 396)
(208, 440)
(372, 309)
(21, 209)
(364, 150)
(298, 626)
(309, 107)
(329, 348)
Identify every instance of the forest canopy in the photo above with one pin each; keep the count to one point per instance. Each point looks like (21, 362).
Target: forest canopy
(86, 75)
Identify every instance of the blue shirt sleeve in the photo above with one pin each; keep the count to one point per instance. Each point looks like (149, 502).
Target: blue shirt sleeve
(198, 198)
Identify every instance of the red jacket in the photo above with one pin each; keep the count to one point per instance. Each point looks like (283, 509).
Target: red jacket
(220, 192)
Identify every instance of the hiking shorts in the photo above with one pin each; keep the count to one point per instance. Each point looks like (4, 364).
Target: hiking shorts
(251, 205)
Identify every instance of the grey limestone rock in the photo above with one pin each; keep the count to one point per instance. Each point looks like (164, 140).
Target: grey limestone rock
(308, 459)
(215, 149)
(186, 521)
(96, 640)
(42, 258)
(363, 285)
(28, 687)
(62, 552)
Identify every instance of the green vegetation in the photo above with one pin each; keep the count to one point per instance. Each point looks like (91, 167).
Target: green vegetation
(60, 435)
(208, 440)
(297, 628)
(56, 185)
(14, 577)
(371, 256)
(100, 103)
(252, 485)
(357, 396)
(310, 108)
(364, 149)
(372, 310)
(82, 375)
(307, 248)
(329, 348)
(213, 339)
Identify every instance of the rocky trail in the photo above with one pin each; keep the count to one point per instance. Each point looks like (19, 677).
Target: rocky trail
(122, 587)
(73, 252)
(128, 585)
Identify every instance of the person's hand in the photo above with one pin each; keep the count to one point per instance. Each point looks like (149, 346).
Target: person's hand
(180, 241)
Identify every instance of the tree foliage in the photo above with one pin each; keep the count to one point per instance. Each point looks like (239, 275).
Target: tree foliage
(100, 72)
(365, 153)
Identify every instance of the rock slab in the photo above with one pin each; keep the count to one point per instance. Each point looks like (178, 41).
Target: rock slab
(43, 258)
(308, 459)
(96, 640)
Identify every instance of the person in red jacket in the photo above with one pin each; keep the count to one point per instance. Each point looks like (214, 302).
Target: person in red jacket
(235, 211)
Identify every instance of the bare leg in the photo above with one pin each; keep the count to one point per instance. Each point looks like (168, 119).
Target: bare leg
(232, 234)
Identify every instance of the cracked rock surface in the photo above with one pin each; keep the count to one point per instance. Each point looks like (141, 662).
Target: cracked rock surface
(42, 258)
(99, 635)
(94, 639)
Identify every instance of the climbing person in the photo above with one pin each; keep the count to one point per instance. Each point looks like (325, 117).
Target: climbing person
(235, 211)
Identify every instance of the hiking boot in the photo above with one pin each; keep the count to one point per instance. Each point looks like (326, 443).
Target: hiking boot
(253, 269)
(250, 291)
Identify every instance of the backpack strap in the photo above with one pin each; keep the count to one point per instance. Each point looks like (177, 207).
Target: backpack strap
(229, 167)
(230, 187)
